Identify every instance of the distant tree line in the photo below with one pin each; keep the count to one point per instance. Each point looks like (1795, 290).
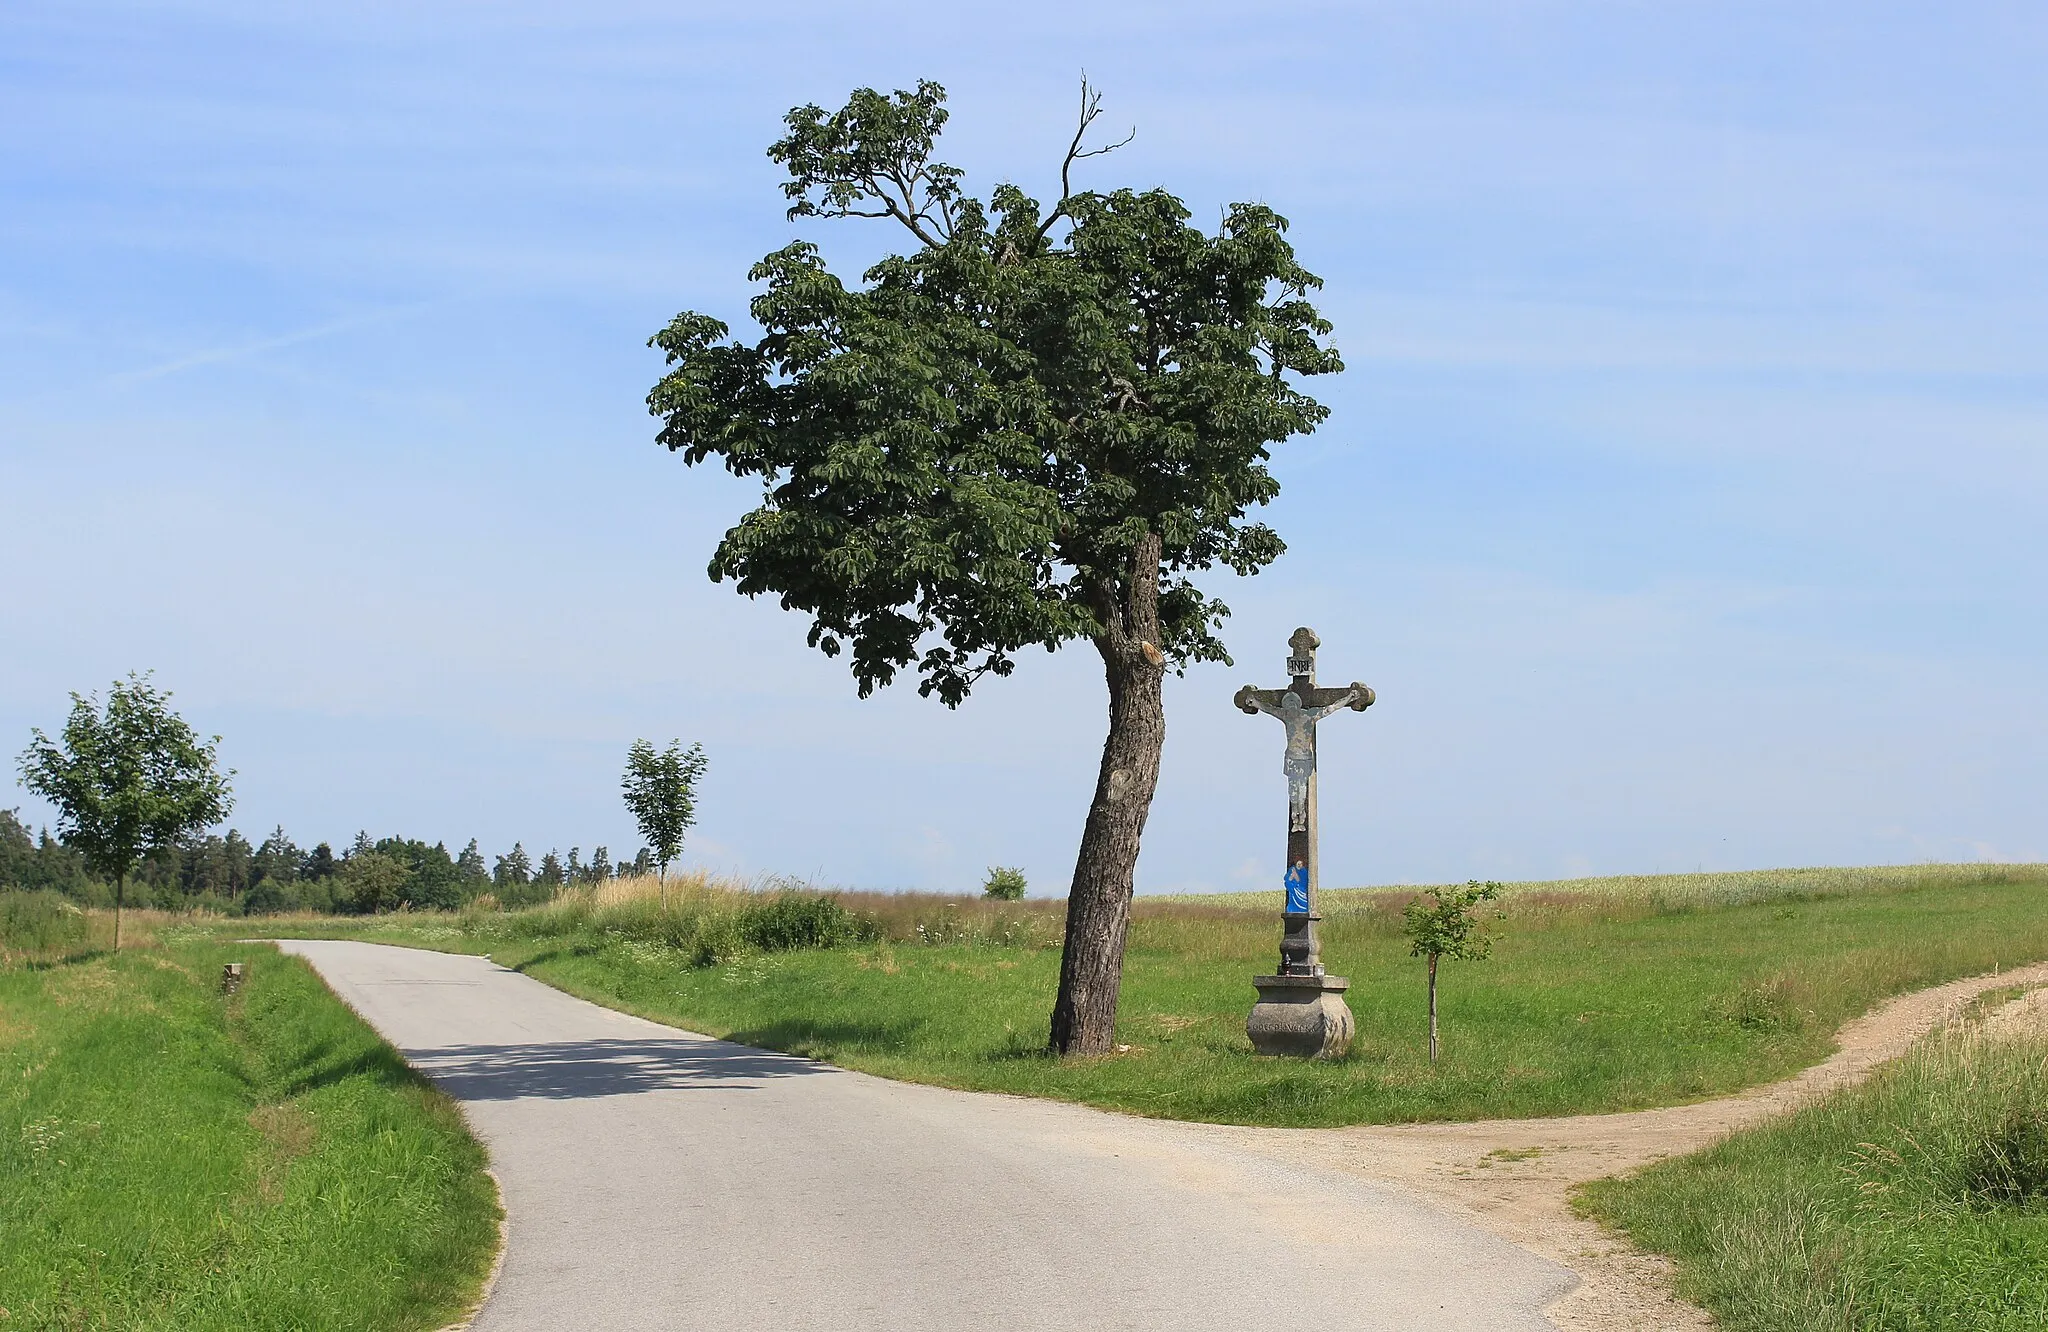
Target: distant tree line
(226, 873)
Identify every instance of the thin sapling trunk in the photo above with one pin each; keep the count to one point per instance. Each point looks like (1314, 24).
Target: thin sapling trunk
(1432, 1008)
(1441, 923)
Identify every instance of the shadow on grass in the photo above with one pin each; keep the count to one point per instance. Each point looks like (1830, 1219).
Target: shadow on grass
(797, 1033)
(1020, 1047)
(580, 948)
(328, 1063)
(31, 961)
(577, 1070)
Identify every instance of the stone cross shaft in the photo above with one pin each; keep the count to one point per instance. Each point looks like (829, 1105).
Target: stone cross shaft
(1299, 707)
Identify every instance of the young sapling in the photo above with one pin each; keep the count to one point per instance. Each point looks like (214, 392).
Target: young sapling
(1444, 923)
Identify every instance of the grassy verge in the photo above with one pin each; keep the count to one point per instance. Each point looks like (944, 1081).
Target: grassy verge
(1592, 1002)
(171, 1158)
(1917, 1202)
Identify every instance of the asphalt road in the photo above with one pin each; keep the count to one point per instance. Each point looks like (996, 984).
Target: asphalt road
(659, 1179)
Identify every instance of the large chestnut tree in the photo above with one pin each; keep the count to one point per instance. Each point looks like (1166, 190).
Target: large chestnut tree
(1034, 425)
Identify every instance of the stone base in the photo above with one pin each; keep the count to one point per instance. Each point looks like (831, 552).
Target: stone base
(1304, 1016)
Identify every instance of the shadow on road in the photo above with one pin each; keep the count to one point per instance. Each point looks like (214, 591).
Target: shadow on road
(571, 1070)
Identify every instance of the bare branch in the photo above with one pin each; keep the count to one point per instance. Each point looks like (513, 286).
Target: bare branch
(1106, 150)
(1091, 107)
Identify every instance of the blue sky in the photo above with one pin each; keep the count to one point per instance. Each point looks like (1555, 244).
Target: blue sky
(1683, 499)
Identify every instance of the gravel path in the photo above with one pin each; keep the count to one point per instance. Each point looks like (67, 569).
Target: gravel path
(657, 1179)
(1515, 1176)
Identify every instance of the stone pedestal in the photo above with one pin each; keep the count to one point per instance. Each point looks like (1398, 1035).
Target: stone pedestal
(1304, 1016)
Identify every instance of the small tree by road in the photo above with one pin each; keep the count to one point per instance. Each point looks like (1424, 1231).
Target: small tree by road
(1444, 923)
(126, 781)
(661, 794)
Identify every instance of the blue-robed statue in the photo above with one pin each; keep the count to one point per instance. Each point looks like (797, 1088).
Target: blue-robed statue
(1297, 889)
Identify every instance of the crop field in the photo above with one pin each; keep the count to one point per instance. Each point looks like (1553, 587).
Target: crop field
(1600, 995)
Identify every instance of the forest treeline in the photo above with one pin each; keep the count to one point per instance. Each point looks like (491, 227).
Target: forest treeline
(226, 873)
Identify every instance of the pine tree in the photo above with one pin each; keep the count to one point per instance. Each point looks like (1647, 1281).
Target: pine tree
(237, 866)
(277, 860)
(470, 870)
(514, 869)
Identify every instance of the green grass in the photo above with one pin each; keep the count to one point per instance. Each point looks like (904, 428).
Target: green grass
(1592, 1001)
(1917, 1202)
(171, 1158)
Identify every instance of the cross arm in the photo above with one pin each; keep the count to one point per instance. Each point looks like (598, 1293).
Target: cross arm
(1255, 701)
(1355, 696)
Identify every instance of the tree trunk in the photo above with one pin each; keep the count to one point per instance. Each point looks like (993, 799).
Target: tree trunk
(120, 886)
(1432, 1008)
(1099, 903)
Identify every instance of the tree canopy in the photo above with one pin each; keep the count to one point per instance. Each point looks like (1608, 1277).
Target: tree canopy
(969, 453)
(660, 789)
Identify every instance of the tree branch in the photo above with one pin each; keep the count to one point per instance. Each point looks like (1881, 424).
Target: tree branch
(1091, 107)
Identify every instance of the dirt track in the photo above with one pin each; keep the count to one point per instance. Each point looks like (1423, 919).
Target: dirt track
(1514, 1177)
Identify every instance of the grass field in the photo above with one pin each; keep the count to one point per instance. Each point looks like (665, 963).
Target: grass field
(174, 1159)
(1598, 997)
(1917, 1202)
(1679, 892)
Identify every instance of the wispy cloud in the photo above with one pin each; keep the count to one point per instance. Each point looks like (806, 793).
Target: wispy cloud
(244, 350)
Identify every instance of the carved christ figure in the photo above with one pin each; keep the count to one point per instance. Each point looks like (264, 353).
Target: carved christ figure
(1300, 761)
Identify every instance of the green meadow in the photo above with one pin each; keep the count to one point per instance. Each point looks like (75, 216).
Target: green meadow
(1600, 995)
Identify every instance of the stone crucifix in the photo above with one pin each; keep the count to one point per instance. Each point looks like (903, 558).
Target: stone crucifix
(1306, 995)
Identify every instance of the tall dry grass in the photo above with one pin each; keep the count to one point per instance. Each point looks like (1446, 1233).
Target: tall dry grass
(46, 927)
(1666, 892)
(710, 917)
